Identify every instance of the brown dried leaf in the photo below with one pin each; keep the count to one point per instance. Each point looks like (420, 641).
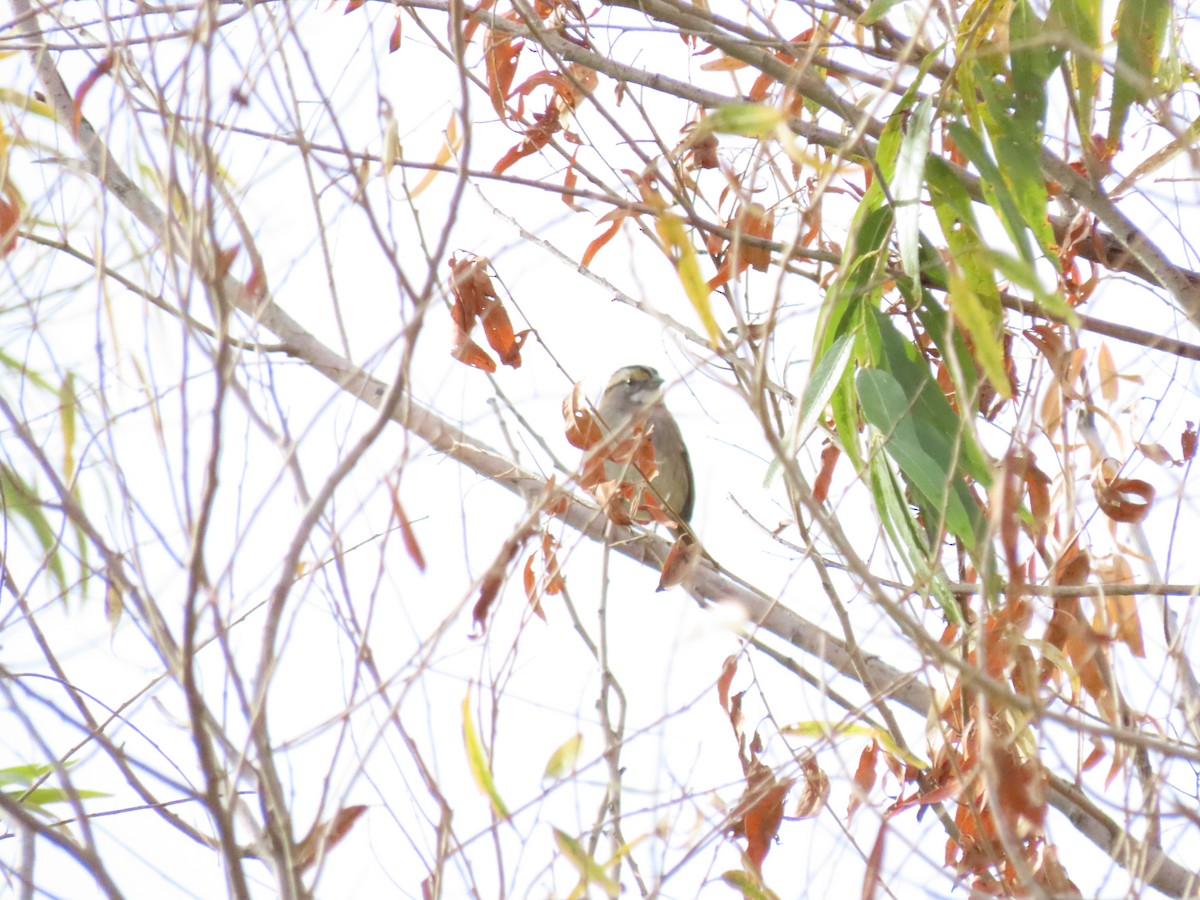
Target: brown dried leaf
(406, 532)
(761, 811)
(815, 792)
(728, 670)
(582, 429)
(500, 54)
(829, 457)
(1187, 442)
(1121, 499)
(394, 40)
(864, 778)
(1109, 388)
(323, 837)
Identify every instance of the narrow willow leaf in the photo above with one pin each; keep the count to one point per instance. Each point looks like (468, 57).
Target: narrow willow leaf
(948, 433)
(477, 761)
(915, 448)
(66, 415)
(876, 11)
(973, 292)
(671, 230)
(822, 382)
(907, 539)
(1080, 20)
(590, 871)
(1015, 118)
(1141, 28)
(907, 184)
(21, 501)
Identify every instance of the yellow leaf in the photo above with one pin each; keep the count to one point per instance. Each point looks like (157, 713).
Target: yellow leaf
(477, 760)
(670, 229)
(747, 119)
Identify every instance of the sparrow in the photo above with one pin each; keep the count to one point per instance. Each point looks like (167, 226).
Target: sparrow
(633, 399)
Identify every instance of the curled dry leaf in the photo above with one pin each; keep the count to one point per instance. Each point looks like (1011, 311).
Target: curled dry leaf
(1121, 499)
(1187, 442)
(582, 430)
(814, 792)
(500, 54)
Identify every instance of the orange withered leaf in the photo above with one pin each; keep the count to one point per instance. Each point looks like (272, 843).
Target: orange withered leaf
(1020, 788)
(500, 54)
(681, 561)
(467, 351)
(864, 778)
(615, 217)
(759, 222)
(394, 40)
(551, 581)
(352, 5)
(761, 810)
(537, 136)
(829, 457)
(475, 299)
(1097, 754)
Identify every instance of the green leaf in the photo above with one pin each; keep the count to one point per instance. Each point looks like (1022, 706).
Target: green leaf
(477, 761)
(876, 11)
(746, 119)
(1079, 20)
(1015, 118)
(859, 284)
(562, 760)
(66, 413)
(951, 190)
(822, 382)
(749, 884)
(910, 542)
(1141, 28)
(590, 871)
(973, 293)
(921, 453)
(907, 183)
(21, 501)
(890, 351)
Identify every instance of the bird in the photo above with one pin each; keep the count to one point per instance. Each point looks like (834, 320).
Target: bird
(632, 399)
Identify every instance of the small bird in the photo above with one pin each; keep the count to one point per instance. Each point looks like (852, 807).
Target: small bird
(633, 398)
